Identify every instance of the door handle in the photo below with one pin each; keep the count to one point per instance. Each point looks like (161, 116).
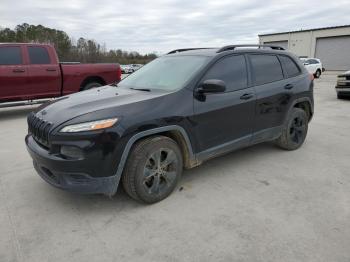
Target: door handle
(18, 70)
(51, 69)
(246, 96)
(288, 86)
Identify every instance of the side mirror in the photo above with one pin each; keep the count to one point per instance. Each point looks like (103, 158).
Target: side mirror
(212, 86)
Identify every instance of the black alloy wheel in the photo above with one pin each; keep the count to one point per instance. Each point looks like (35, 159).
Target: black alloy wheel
(153, 169)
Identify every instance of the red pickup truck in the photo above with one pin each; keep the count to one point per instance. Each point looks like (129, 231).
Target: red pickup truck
(32, 71)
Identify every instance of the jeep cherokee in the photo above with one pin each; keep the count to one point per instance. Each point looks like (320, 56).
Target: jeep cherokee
(179, 110)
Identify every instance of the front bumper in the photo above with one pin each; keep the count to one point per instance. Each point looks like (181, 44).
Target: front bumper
(62, 173)
(343, 85)
(343, 89)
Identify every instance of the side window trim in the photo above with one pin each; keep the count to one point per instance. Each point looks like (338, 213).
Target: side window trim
(217, 61)
(284, 72)
(250, 82)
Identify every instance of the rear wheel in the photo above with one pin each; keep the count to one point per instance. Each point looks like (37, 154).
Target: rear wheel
(153, 169)
(91, 85)
(294, 130)
(318, 73)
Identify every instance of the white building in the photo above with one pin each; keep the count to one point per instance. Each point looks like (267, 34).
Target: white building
(330, 44)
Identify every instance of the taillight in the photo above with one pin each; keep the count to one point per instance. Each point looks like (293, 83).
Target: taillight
(119, 74)
(312, 77)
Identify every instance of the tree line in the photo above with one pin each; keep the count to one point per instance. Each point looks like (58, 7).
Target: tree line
(69, 50)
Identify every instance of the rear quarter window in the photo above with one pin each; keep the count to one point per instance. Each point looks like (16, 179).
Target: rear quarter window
(266, 69)
(38, 55)
(289, 66)
(10, 55)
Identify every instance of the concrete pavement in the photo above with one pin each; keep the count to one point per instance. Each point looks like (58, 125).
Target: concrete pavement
(256, 204)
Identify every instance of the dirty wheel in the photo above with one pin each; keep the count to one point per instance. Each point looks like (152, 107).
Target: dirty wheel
(153, 169)
(294, 130)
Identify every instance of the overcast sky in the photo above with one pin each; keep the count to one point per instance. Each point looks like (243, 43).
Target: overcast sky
(162, 25)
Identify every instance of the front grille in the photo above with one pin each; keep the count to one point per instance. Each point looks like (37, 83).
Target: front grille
(39, 129)
(344, 77)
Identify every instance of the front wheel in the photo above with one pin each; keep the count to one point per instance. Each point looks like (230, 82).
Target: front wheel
(294, 130)
(318, 73)
(153, 169)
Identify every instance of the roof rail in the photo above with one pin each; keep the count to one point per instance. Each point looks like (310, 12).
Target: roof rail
(233, 47)
(187, 49)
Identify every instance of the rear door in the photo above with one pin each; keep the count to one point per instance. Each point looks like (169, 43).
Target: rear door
(13, 73)
(225, 119)
(44, 73)
(273, 92)
(315, 65)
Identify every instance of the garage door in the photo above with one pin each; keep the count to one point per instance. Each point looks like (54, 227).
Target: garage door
(334, 52)
(283, 44)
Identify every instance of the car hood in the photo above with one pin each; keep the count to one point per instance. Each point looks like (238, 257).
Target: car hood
(68, 107)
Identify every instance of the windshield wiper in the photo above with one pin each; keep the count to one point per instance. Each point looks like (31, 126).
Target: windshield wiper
(141, 89)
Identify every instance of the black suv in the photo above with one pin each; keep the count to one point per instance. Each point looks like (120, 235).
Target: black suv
(179, 110)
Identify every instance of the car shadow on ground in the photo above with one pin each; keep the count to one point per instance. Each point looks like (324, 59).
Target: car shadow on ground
(121, 201)
(9, 113)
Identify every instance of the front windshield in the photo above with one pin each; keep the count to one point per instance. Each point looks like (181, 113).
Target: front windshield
(166, 73)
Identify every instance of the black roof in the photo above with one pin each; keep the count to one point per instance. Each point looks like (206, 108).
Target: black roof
(306, 30)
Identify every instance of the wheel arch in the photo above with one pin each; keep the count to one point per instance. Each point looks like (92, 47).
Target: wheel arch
(177, 133)
(91, 79)
(305, 104)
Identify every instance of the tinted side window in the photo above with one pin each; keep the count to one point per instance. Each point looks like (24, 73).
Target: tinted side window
(311, 61)
(38, 55)
(266, 69)
(232, 70)
(10, 55)
(289, 65)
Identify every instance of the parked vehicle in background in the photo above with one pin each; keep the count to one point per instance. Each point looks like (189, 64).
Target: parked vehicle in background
(343, 85)
(135, 67)
(126, 69)
(230, 98)
(32, 71)
(313, 65)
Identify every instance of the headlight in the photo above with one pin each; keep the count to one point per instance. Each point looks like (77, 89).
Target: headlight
(89, 126)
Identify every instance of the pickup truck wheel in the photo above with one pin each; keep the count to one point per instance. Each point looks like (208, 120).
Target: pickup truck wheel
(91, 85)
(294, 130)
(153, 169)
(318, 73)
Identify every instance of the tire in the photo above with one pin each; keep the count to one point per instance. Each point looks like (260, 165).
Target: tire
(91, 85)
(294, 130)
(153, 169)
(340, 96)
(318, 73)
